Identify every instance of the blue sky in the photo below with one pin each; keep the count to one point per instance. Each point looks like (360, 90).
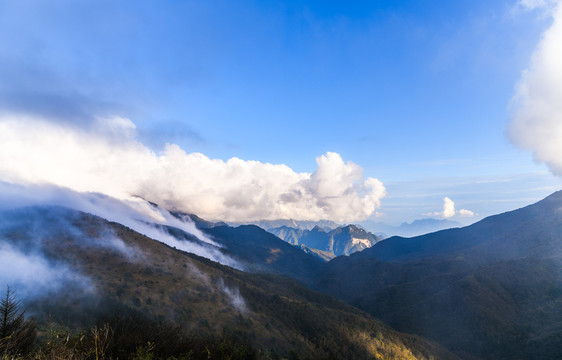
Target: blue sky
(415, 93)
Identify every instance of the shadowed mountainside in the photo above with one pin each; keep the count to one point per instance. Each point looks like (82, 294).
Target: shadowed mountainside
(261, 251)
(95, 261)
(492, 289)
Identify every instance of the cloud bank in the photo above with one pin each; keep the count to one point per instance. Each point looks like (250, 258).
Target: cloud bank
(108, 158)
(132, 212)
(536, 122)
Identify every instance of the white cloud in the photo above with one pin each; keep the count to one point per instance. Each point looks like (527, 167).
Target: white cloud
(536, 122)
(449, 210)
(466, 213)
(113, 162)
(537, 4)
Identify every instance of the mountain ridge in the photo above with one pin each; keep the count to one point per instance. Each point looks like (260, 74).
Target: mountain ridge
(106, 260)
(492, 289)
(344, 240)
(296, 224)
(437, 243)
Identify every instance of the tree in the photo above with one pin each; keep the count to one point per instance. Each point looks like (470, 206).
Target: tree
(17, 334)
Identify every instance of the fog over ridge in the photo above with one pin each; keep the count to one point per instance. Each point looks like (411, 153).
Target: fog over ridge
(132, 212)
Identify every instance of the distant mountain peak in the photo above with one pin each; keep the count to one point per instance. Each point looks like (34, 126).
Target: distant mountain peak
(343, 240)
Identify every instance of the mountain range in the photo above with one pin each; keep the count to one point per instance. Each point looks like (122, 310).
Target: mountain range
(81, 266)
(491, 290)
(328, 243)
(295, 224)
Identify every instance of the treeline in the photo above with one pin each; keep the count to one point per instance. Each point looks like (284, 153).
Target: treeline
(133, 336)
(120, 333)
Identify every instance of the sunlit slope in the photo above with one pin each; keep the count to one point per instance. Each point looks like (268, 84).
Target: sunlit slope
(114, 264)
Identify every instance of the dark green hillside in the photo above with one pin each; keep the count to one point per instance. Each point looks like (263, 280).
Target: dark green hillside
(491, 290)
(260, 251)
(265, 311)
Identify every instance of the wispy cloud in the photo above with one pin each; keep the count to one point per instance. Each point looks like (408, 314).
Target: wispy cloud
(112, 161)
(132, 212)
(31, 274)
(537, 4)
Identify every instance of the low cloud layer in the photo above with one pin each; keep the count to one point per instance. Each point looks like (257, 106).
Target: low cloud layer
(132, 212)
(30, 274)
(112, 161)
(536, 122)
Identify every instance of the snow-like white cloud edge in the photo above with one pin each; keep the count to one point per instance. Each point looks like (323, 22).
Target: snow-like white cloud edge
(133, 212)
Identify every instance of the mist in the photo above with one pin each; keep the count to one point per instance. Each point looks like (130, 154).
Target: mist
(233, 295)
(32, 274)
(133, 212)
(231, 292)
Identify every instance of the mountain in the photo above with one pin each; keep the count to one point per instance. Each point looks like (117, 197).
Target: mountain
(260, 251)
(491, 290)
(328, 243)
(71, 266)
(289, 234)
(295, 224)
(533, 231)
(415, 228)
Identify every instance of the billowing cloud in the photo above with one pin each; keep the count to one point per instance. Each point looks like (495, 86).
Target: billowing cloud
(536, 122)
(449, 210)
(112, 161)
